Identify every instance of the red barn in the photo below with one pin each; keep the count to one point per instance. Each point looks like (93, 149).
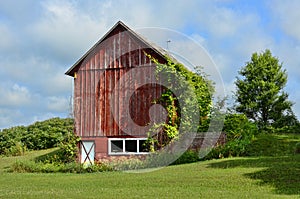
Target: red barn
(113, 93)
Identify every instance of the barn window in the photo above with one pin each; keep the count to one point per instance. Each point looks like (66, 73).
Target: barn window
(123, 146)
(116, 146)
(131, 146)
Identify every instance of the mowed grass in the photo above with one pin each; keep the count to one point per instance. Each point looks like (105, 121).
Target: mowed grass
(198, 180)
(251, 177)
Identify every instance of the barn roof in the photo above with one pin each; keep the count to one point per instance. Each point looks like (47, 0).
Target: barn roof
(160, 51)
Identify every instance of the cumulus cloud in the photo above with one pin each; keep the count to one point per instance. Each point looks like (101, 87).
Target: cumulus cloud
(58, 104)
(64, 30)
(15, 95)
(42, 75)
(223, 21)
(288, 15)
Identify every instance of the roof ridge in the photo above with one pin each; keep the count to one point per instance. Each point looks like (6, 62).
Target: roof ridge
(162, 52)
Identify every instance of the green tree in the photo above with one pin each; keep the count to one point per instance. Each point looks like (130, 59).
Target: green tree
(260, 94)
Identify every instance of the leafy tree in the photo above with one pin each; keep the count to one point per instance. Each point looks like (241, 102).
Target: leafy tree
(260, 94)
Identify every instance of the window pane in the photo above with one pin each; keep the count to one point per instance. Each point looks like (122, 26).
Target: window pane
(131, 145)
(116, 146)
(143, 147)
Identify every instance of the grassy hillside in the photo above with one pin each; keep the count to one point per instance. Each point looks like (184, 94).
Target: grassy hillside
(6, 162)
(264, 176)
(228, 178)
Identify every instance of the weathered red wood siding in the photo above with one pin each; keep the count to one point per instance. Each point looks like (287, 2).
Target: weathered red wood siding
(107, 68)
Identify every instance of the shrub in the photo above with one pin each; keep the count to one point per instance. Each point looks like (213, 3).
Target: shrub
(23, 166)
(40, 135)
(237, 126)
(121, 163)
(10, 141)
(47, 134)
(98, 167)
(15, 149)
(40, 167)
(240, 133)
(233, 148)
(68, 148)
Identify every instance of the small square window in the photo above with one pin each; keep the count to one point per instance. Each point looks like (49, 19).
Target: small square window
(131, 146)
(116, 146)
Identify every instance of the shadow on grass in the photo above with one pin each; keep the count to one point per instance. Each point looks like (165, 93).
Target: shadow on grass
(283, 173)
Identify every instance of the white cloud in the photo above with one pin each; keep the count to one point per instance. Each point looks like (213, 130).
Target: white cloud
(58, 83)
(15, 95)
(58, 104)
(288, 15)
(41, 75)
(248, 43)
(288, 52)
(224, 22)
(65, 31)
(226, 66)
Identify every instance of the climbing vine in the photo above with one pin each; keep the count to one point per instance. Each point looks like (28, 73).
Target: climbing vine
(185, 89)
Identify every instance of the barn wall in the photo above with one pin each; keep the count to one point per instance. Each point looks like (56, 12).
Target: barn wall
(105, 80)
(100, 147)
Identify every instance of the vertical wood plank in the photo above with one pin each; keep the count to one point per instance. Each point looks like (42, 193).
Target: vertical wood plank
(92, 96)
(102, 102)
(77, 104)
(87, 100)
(96, 95)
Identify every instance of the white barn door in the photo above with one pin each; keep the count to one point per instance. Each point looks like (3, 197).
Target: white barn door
(87, 149)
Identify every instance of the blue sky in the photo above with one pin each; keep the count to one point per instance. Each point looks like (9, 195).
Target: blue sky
(40, 40)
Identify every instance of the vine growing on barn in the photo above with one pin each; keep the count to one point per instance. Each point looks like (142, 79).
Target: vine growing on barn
(175, 99)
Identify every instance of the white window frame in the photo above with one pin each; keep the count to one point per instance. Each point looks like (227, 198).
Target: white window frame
(124, 150)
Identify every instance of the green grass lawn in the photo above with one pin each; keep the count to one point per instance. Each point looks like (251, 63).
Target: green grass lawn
(248, 177)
